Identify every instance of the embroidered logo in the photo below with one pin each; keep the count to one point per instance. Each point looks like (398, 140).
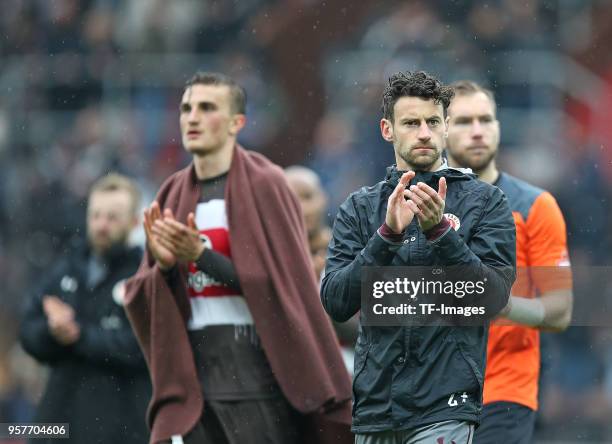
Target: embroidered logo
(119, 292)
(69, 284)
(454, 220)
(207, 242)
(112, 322)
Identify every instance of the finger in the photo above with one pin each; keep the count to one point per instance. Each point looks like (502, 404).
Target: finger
(155, 211)
(162, 230)
(425, 200)
(148, 232)
(422, 219)
(168, 214)
(191, 222)
(398, 193)
(168, 244)
(146, 218)
(177, 226)
(410, 194)
(413, 207)
(146, 222)
(442, 188)
(431, 192)
(406, 177)
(47, 306)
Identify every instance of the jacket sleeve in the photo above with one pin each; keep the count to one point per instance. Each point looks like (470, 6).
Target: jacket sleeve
(116, 347)
(34, 333)
(490, 256)
(346, 255)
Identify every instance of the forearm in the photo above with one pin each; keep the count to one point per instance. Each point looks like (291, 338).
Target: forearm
(453, 252)
(108, 347)
(37, 341)
(552, 311)
(219, 267)
(341, 287)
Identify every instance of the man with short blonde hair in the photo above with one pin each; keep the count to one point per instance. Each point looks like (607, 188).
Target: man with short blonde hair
(75, 323)
(541, 296)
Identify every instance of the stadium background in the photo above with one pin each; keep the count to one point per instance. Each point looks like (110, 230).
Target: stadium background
(93, 85)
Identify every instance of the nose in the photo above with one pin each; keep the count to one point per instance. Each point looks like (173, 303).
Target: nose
(476, 129)
(424, 133)
(193, 116)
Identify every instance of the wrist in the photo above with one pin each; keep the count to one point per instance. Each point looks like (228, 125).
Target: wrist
(437, 230)
(199, 251)
(164, 268)
(389, 233)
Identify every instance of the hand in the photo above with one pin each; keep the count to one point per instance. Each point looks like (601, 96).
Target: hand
(182, 240)
(165, 258)
(430, 204)
(400, 211)
(66, 333)
(56, 309)
(61, 320)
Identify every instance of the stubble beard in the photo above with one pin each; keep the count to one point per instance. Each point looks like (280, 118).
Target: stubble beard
(420, 162)
(102, 248)
(476, 164)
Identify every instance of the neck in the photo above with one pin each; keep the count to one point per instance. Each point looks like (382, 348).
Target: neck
(215, 163)
(488, 174)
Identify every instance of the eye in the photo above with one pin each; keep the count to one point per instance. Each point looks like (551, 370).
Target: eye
(462, 121)
(208, 106)
(486, 119)
(411, 122)
(433, 122)
(185, 108)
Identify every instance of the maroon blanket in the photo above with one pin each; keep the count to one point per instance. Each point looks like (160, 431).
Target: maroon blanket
(269, 251)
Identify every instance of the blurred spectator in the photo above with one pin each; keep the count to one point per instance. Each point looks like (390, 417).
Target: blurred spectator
(306, 185)
(76, 325)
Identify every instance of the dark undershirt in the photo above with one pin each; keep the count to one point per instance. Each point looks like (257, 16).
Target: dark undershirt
(211, 262)
(230, 362)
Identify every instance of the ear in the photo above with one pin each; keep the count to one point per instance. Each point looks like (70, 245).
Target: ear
(446, 123)
(386, 129)
(237, 123)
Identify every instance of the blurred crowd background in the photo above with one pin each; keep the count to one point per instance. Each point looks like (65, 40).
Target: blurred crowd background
(89, 86)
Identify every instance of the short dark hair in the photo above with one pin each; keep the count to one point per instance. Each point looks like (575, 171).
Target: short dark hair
(468, 87)
(414, 84)
(237, 92)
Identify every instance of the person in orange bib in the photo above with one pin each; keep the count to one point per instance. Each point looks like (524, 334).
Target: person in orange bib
(541, 297)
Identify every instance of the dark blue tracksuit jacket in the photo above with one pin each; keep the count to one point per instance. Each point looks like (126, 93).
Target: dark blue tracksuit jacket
(407, 377)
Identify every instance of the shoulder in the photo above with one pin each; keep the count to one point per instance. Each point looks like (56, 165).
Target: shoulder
(483, 191)
(521, 194)
(365, 198)
(176, 178)
(262, 170)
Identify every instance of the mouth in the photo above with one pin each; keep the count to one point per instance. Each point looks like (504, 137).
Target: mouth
(422, 149)
(193, 134)
(477, 148)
